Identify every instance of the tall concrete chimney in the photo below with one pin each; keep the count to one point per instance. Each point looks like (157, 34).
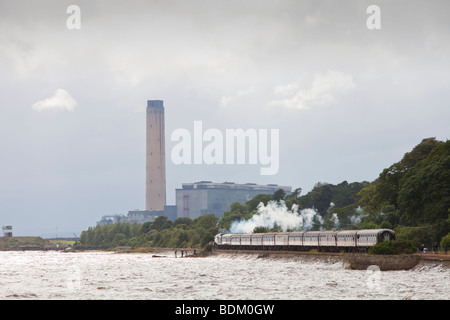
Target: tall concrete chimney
(155, 191)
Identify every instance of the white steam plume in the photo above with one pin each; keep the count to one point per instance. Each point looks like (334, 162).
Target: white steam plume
(277, 214)
(358, 216)
(335, 220)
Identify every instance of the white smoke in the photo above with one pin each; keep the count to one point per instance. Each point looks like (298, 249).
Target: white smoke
(277, 214)
(335, 220)
(355, 219)
(309, 217)
(332, 205)
(358, 216)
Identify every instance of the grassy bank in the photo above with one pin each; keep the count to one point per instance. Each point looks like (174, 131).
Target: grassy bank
(26, 243)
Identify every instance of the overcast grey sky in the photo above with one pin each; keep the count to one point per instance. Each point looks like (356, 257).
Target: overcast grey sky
(348, 101)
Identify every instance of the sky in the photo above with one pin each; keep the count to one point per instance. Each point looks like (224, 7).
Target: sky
(349, 91)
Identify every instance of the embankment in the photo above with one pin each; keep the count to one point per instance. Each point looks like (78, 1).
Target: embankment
(354, 261)
(328, 257)
(362, 261)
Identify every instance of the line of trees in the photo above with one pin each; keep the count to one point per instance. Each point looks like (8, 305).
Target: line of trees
(414, 194)
(181, 233)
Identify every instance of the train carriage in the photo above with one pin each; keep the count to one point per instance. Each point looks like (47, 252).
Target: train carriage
(327, 240)
(246, 240)
(229, 241)
(256, 239)
(295, 239)
(344, 240)
(369, 237)
(311, 239)
(282, 239)
(236, 239)
(226, 240)
(268, 239)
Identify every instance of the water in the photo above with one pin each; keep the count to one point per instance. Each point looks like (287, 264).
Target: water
(102, 275)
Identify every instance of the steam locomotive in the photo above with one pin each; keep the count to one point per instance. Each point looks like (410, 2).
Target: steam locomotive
(328, 241)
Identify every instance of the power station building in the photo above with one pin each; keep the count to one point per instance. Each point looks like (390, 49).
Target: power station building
(205, 197)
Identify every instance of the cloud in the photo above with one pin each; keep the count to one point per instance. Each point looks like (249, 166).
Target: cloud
(324, 90)
(226, 100)
(287, 89)
(61, 100)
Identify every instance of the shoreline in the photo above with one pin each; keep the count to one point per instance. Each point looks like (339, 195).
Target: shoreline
(351, 261)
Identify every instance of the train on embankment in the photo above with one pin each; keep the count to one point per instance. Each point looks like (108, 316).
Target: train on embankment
(323, 241)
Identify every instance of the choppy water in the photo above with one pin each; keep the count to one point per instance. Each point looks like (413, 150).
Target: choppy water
(101, 275)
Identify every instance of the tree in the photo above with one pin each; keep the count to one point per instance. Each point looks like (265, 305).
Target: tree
(206, 238)
(445, 242)
(385, 225)
(182, 239)
(424, 196)
(260, 229)
(319, 198)
(254, 202)
(182, 220)
(279, 195)
(393, 247)
(419, 153)
(119, 240)
(292, 199)
(385, 190)
(160, 223)
(206, 221)
(368, 225)
(238, 211)
(133, 242)
(414, 192)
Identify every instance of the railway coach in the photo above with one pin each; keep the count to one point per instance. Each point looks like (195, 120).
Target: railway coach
(328, 241)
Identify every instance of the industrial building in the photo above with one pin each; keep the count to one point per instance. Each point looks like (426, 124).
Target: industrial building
(7, 231)
(205, 197)
(139, 216)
